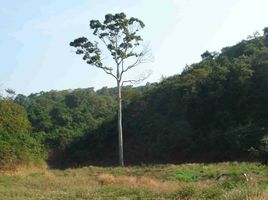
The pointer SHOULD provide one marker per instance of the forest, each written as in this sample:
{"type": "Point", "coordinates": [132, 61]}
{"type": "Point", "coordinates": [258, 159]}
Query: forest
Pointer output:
{"type": "Point", "coordinates": [214, 110]}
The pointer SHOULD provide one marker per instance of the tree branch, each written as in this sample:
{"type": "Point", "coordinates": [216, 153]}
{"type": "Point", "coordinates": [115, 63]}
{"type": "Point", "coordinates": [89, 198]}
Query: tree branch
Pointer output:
{"type": "Point", "coordinates": [142, 58]}
{"type": "Point", "coordinates": [138, 61]}
{"type": "Point", "coordinates": [107, 71]}
{"type": "Point", "coordinates": [137, 81]}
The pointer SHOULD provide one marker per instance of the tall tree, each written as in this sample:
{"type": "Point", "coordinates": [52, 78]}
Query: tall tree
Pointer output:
{"type": "Point", "coordinates": [118, 35]}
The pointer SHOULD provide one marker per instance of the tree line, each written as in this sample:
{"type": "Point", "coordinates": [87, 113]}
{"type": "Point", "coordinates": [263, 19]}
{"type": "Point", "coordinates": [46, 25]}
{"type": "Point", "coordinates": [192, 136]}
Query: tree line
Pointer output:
{"type": "Point", "coordinates": [214, 110]}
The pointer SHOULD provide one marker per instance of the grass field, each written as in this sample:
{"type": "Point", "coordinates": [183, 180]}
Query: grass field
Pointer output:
{"type": "Point", "coordinates": [186, 181]}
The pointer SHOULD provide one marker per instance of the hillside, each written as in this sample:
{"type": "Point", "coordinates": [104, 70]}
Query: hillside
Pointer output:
{"type": "Point", "coordinates": [215, 110]}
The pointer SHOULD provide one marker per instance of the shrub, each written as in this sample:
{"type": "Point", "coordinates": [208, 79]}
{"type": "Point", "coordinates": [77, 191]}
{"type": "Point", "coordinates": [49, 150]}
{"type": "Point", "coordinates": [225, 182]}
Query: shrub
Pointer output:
{"type": "Point", "coordinates": [19, 149]}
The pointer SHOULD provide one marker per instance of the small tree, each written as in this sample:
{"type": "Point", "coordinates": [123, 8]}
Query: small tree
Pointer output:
{"type": "Point", "coordinates": [10, 94]}
{"type": "Point", "coordinates": [118, 35]}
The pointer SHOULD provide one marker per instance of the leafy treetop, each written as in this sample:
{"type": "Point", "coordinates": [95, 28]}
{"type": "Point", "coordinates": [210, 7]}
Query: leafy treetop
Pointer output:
{"type": "Point", "coordinates": [119, 35]}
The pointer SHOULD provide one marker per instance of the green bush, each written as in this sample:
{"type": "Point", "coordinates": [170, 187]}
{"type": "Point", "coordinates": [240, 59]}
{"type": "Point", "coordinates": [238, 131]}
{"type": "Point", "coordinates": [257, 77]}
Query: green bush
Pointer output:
{"type": "Point", "coordinates": [19, 149]}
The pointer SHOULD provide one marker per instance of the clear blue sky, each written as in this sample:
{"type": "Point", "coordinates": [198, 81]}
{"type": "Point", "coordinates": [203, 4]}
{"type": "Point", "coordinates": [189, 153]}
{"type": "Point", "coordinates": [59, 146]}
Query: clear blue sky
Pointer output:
{"type": "Point", "coordinates": [35, 35]}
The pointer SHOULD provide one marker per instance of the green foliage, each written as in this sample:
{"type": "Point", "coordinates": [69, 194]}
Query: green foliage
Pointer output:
{"type": "Point", "coordinates": [16, 144]}
{"type": "Point", "coordinates": [59, 117]}
{"type": "Point", "coordinates": [19, 149]}
{"type": "Point", "coordinates": [120, 37]}
{"type": "Point", "coordinates": [214, 110]}
{"type": "Point", "coordinates": [13, 117]}
{"type": "Point", "coordinates": [65, 115]}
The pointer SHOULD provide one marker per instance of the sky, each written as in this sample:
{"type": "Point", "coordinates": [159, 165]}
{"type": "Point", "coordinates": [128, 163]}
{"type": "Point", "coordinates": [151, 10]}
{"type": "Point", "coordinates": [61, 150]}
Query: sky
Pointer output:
{"type": "Point", "coordinates": [35, 34]}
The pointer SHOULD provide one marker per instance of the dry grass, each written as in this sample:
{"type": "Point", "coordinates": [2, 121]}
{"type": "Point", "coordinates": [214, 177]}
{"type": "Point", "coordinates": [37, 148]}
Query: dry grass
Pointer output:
{"type": "Point", "coordinates": [262, 196]}
{"type": "Point", "coordinates": [24, 170]}
{"type": "Point", "coordinates": [138, 182]}
{"type": "Point", "coordinates": [146, 182]}
{"type": "Point", "coordinates": [106, 179]}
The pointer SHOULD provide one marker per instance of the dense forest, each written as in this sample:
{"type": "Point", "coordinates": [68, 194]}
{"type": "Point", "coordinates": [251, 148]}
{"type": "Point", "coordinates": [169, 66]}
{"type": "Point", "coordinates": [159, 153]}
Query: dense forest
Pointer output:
{"type": "Point", "coordinates": [215, 110]}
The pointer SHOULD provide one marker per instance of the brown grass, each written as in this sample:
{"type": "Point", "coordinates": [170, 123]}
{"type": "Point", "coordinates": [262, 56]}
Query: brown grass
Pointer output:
{"type": "Point", "coordinates": [106, 179]}
{"type": "Point", "coordinates": [138, 182]}
{"type": "Point", "coordinates": [263, 196]}
{"type": "Point", "coordinates": [24, 170]}
{"type": "Point", "coordinates": [146, 182]}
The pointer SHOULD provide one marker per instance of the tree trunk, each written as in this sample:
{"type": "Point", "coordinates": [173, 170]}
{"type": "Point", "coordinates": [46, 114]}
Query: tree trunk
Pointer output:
{"type": "Point", "coordinates": [120, 131]}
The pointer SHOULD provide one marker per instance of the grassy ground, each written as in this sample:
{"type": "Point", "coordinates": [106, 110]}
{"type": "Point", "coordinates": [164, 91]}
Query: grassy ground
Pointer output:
{"type": "Point", "coordinates": [187, 181]}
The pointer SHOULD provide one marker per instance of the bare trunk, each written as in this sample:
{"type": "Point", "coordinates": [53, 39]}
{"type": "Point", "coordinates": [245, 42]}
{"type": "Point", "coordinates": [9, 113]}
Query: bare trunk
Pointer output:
{"type": "Point", "coordinates": [120, 131]}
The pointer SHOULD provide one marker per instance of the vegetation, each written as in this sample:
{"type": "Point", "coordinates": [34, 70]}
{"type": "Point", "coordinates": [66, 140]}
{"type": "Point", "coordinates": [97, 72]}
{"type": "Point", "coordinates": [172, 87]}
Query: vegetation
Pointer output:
{"type": "Point", "coordinates": [214, 110]}
{"type": "Point", "coordinates": [59, 117]}
{"type": "Point", "coordinates": [13, 118]}
{"type": "Point", "coordinates": [120, 37]}
{"type": "Point", "coordinates": [17, 147]}
{"type": "Point", "coordinates": [139, 182]}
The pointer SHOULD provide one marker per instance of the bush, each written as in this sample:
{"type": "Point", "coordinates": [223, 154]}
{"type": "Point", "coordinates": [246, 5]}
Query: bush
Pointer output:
{"type": "Point", "coordinates": [19, 149]}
